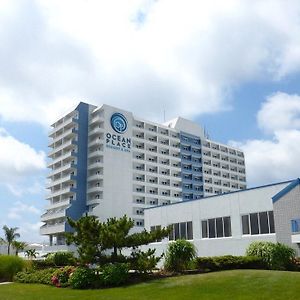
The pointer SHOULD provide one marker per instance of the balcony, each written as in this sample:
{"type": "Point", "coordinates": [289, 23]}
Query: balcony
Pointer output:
{"type": "Point", "coordinates": [94, 177]}
{"type": "Point", "coordinates": [53, 215]}
{"type": "Point", "coordinates": [63, 146]}
{"type": "Point", "coordinates": [95, 165]}
{"type": "Point", "coordinates": [95, 142]}
{"type": "Point", "coordinates": [93, 201]}
{"type": "Point", "coordinates": [52, 229]}
{"type": "Point", "coordinates": [69, 121]}
{"type": "Point", "coordinates": [68, 133]}
{"type": "Point", "coordinates": [95, 153]}
{"type": "Point", "coordinates": [96, 119]}
{"type": "Point", "coordinates": [97, 130]}
{"type": "Point", "coordinates": [58, 204]}
{"type": "Point", "coordinates": [61, 192]}
{"type": "Point", "coordinates": [94, 189]}
{"type": "Point", "coordinates": [62, 169]}
{"type": "Point", "coordinates": [61, 180]}
{"type": "Point", "coordinates": [71, 154]}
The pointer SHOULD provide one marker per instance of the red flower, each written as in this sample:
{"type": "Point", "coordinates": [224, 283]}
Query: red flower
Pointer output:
{"type": "Point", "coordinates": [54, 280]}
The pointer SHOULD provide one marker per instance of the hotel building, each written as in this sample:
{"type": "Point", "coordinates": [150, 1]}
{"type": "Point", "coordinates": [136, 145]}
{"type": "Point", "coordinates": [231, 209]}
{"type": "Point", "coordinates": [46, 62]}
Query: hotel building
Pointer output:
{"type": "Point", "coordinates": [106, 162]}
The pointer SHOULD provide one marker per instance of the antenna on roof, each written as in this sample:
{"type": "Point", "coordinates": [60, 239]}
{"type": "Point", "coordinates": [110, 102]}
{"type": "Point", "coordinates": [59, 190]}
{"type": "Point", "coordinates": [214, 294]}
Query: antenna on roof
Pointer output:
{"type": "Point", "coordinates": [164, 116]}
{"type": "Point", "coordinates": [206, 134]}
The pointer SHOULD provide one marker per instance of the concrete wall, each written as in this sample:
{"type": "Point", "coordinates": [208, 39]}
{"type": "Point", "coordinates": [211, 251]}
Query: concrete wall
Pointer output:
{"type": "Point", "coordinates": [286, 209]}
{"type": "Point", "coordinates": [3, 249]}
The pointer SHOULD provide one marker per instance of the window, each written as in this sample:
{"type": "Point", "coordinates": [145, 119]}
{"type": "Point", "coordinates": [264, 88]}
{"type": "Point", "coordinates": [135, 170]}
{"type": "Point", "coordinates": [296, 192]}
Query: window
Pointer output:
{"type": "Point", "coordinates": [271, 221]}
{"type": "Point", "coordinates": [245, 224]}
{"type": "Point", "coordinates": [189, 230]}
{"type": "Point", "coordinates": [211, 228]}
{"type": "Point", "coordinates": [216, 228]}
{"type": "Point", "coordinates": [258, 223]}
{"type": "Point", "coordinates": [219, 227]}
{"type": "Point", "coordinates": [139, 223]}
{"type": "Point", "coordinates": [204, 229]}
{"type": "Point", "coordinates": [295, 225]}
{"type": "Point", "coordinates": [264, 223]}
{"type": "Point", "coordinates": [227, 226]}
{"type": "Point", "coordinates": [254, 223]}
{"type": "Point", "coordinates": [183, 230]}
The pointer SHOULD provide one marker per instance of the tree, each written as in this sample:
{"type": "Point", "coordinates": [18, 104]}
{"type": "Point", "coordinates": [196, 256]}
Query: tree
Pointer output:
{"type": "Point", "coordinates": [115, 233]}
{"type": "Point", "coordinates": [11, 235]}
{"type": "Point", "coordinates": [18, 246]}
{"type": "Point", "coordinates": [144, 262]}
{"type": "Point", "coordinates": [86, 237]}
{"type": "Point", "coordinates": [92, 237]}
{"type": "Point", "coordinates": [31, 253]}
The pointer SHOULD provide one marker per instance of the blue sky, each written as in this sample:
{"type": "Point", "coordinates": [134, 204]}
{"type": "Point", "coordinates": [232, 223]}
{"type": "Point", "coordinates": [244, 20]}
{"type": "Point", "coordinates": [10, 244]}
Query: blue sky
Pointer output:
{"type": "Point", "coordinates": [232, 66]}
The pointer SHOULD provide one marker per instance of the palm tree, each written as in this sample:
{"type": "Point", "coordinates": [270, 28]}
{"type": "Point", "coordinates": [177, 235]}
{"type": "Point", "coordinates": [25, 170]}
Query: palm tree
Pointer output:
{"type": "Point", "coordinates": [10, 236]}
{"type": "Point", "coordinates": [31, 253]}
{"type": "Point", "coordinates": [18, 246]}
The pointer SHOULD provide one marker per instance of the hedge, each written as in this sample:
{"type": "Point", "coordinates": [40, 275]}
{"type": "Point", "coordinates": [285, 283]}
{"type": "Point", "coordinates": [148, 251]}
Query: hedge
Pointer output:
{"type": "Point", "coordinates": [229, 262]}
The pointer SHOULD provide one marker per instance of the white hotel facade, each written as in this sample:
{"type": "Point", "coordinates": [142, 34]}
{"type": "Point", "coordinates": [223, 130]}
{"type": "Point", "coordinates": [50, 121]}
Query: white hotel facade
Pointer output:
{"type": "Point", "coordinates": [106, 162]}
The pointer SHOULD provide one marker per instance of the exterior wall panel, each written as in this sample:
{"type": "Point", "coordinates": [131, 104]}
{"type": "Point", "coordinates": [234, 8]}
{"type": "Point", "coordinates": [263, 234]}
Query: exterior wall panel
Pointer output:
{"type": "Point", "coordinates": [286, 209]}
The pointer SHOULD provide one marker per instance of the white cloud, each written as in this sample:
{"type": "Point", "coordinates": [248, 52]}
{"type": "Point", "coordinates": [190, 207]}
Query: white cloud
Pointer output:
{"type": "Point", "coordinates": [30, 232]}
{"type": "Point", "coordinates": [20, 209]}
{"type": "Point", "coordinates": [182, 57]}
{"type": "Point", "coordinates": [19, 163]}
{"type": "Point", "coordinates": [26, 218]}
{"type": "Point", "coordinates": [17, 189]}
{"type": "Point", "coordinates": [278, 158]}
{"type": "Point", "coordinates": [281, 111]}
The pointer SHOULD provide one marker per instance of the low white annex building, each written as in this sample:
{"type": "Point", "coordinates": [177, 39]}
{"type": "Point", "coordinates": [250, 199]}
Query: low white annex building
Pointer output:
{"type": "Point", "coordinates": [228, 223]}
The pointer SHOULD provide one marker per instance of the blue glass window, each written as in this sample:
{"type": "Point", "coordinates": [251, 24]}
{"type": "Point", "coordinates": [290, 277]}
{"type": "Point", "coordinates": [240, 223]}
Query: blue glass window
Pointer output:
{"type": "Point", "coordinates": [295, 225]}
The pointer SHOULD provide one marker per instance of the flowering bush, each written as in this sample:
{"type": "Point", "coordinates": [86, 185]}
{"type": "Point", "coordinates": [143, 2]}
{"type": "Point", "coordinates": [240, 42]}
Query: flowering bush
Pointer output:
{"type": "Point", "coordinates": [83, 278]}
{"type": "Point", "coordinates": [114, 274]}
{"type": "Point", "coordinates": [61, 276]}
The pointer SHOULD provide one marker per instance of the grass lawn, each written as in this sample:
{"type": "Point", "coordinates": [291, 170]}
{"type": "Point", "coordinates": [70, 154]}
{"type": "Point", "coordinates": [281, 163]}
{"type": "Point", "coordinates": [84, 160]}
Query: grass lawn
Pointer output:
{"type": "Point", "coordinates": [237, 284]}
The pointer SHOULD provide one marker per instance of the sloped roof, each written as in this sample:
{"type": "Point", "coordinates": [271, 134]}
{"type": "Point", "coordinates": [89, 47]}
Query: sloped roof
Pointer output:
{"type": "Point", "coordinates": [288, 188]}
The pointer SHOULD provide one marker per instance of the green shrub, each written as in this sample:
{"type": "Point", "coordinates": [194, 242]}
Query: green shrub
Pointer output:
{"type": "Point", "coordinates": [144, 262]}
{"type": "Point", "coordinates": [206, 263]}
{"type": "Point", "coordinates": [36, 276]}
{"type": "Point", "coordinates": [179, 255]}
{"type": "Point", "coordinates": [61, 258]}
{"type": "Point", "coordinates": [9, 266]}
{"type": "Point", "coordinates": [229, 262]}
{"type": "Point", "coordinates": [83, 278]}
{"type": "Point", "coordinates": [114, 274]}
{"type": "Point", "coordinates": [276, 255]}
{"type": "Point", "coordinates": [42, 264]}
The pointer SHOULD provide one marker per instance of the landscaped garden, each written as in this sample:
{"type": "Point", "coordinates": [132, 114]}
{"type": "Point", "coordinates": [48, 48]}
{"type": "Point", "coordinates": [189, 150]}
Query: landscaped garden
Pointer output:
{"type": "Point", "coordinates": [102, 271]}
{"type": "Point", "coordinates": [237, 284]}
